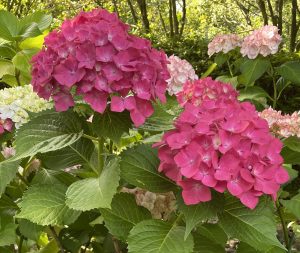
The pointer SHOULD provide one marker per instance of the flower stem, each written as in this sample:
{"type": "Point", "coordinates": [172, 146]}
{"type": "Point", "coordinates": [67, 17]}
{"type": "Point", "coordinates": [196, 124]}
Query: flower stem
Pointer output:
{"type": "Point", "coordinates": [230, 69]}
{"type": "Point", "coordinates": [275, 94]}
{"type": "Point", "coordinates": [55, 237]}
{"type": "Point", "coordinates": [100, 154]}
{"type": "Point", "coordinates": [283, 224]}
{"type": "Point", "coordinates": [89, 137]}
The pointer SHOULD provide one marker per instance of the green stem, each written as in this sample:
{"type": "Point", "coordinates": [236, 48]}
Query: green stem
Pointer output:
{"type": "Point", "coordinates": [22, 179]}
{"type": "Point", "coordinates": [280, 92]}
{"type": "Point", "coordinates": [90, 137]}
{"type": "Point", "coordinates": [100, 154]}
{"type": "Point", "coordinates": [275, 94]}
{"type": "Point", "coordinates": [209, 70]}
{"type": "Point", "coordinates": [55, 237]}
{"type": "Point", "coordinates": [230, 69]}
{"type": "Point", "coordinates": [20, 244]}
{"type": "Point", "coordinates": [283, 224]}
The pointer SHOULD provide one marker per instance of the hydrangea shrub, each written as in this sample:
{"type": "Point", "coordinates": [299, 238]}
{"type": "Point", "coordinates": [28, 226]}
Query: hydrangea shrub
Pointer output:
{"type": "Point", "coordinates": [113, 164]}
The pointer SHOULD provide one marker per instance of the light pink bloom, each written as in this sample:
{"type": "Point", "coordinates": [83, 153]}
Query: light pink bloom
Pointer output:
{"type": "Point", "coordinates": [264, 41]}
{"type": "Point", "coordinates": [95, 56]}
{"type": "Point", "coordinates": [6, 125]}
{"type": "Point", "coordinates": [282, 125]}
{"type": "Point", "coordinates": [180, 72]}
{"type": "Point", "coordinates": [223, 43]}
{"type": "Point", "coordinates": [219, 143]}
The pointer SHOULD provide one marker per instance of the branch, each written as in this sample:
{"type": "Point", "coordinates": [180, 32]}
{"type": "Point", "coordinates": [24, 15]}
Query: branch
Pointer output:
{"type": "Point", "coordinates": [55, 237]}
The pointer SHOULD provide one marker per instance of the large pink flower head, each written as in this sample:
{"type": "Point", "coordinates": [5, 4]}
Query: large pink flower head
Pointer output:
{"type": "Point", "coordinates": [223, 43]}
{"type": "Point", "coordinates": [95, 56]}
{"type": "Point", "coordinates": [282, 125]}
{"type": "Point", "coordinates": [222, 145]}
{"type": "Point", "coordinates": [264, 41]}
{"type": "Point", "coordinates": [180, 72]}
{"type": "Point", "coordinates": [196, 92]}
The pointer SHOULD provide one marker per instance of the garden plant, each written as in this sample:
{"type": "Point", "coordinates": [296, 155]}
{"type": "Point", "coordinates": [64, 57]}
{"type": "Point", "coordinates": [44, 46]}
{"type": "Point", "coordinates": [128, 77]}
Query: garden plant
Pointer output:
{"type": "Point", "coordinates": [110, 145]}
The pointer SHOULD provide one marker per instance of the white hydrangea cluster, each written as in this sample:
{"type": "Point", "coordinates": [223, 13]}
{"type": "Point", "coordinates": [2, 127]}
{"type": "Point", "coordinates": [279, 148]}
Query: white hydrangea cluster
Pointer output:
{"type": "Point", "coordinates": [161, 205]}
{"type": "Point", "coordinates": [17, 101]}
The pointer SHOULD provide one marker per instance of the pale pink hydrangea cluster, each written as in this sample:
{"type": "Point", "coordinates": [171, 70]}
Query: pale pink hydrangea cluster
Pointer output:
{"type": "Point", "coordinates": [282, 125]}
{"type": "Point", "coordinates": [94, 56]}
{"type": "Point", "coordinates": [196, 92]}
{"type": "Point", "coordinates": [264, 41]}
{"type": "Point", "coordinates": [223, 43]}
{"type": "Point", "coordinates": [161, 205]}
{"type": "Point", "coordinates": [180, 71]}
{"type": "Point", "coordinates": [6, 125]}
{"type": "Point", "coordinates": [221, 144]}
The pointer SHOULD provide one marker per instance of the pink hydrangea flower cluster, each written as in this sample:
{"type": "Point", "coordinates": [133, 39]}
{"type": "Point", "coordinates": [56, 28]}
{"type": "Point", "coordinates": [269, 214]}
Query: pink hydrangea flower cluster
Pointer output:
{"type": "Point", "coordinates": [6, 125]}
{"type": "Point", "coordinates": [180, 71]}
{"type": "Point", "coordinates": [222, 144]}
{"type": "Point", "coordinates": [196, 92]}
{"type": "Point", "coordinates": [282, 125]}
{"type": "Point", "coordinates": [95, 56]}
{"type": "Point", "coordinates": [264, 41]}
{"type": "Point", "coordinates": [223, 43]}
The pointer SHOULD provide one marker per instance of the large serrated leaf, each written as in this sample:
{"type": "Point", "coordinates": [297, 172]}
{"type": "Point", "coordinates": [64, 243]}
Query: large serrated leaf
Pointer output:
{"type": "Point", "coordinates": [93, 193]}
{"type": "Point", "coordinates": [160, 237]}
{"type": "Point", "coordinates": [293, 205]}
{"type": "Point", "coordinates": [256, 227]}
{"type": "Point", "coordinates": [47, 132]}
{"type": "Point", "coordinates": [123, 215]}
{"type": "Point", "coordinates": [42, 20]}
{"type": "Point", "coordinates": [195, 214]}
{"type": "Point", "coordinates": [252, 70]}
{"type": "Point", "coordinates": [112, 124]}
{"type": "Point", "coordinates": [139, 167]}
{"type": "Point", "coordinates": [8, 170]}
{"type": "Point", "coordinates": [45, 205]}
{"type": "Point", "coordinates": [290, 71]}
{"type": "Point", "coordinates": [7, 230]}
{"type": "Point", "coordinates": [9, 25]}
{"type": "Point", "coordinates": [79, 152]}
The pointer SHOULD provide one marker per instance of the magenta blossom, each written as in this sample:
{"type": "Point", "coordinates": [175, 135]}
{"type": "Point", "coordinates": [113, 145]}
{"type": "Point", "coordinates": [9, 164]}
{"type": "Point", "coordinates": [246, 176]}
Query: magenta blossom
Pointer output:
{"type": "Point", "coordinates": [95, 56]}
{"type": "Point", "coordinates": [205, 89]}
{"type": "Point", "coordinates": [221, 144]}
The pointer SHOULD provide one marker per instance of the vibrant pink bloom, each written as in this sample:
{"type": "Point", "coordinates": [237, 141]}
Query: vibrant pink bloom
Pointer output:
{"type": "Point", "coordinates": [180, 72]}
{"type": "Point", "coordinates": [264, 41]}
{"type": "Point", "coordinates": [222, 144]}
{"type": "Point", "coordinates": [95, 56]}
{"type": "Point", "coordinates": [223, 43]}
{"type": "Point", "coordinates": [6, 126]}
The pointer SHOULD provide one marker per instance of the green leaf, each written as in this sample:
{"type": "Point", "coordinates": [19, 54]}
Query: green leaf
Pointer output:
{"type": "Point", "coordinates": [228, 79]}
{"type": "Point", "coordinates": [252, 93]}
{"type": "Point", "coordinates": [252, 70]}
{"type": "Point", "coordinates": [293, 205]}
{"type": "Point", "coordinates": [256, 227]}
{"type": "Point", "coordinates": [10, 80]}
{"type": "Point", "coordinates": [6, 51]}
{"type": "Point", "coordinates": [160, 237]}
{"type": "Point", "coordinates": [42, 20]}
{"type": "Point", "coordinates": [30, 230]}
{"type": "Point", "coordinates": [246, 248]}
{"type": "Point", "coordinates": [6, 68]}
{"type": "Point", "coordinates": [51, 247]}
{"type": "Point", "coordinates": [29, 30]}
{"type": "Point", "coordinates": [292, 173]}
{"type": "Point", "coordinates": [79, 152]}
{"type": "Point", "coordinates": [290, 71]}
{"type": "Point", "coordinates": [8, 170]}
{"type": "Point", "coordinates": [221, 58]}
{"type": "Point", "coordinates": [45, 205]}
{"type": "Point", "coordinates": [123, 215]}
{"type": "Point", "coordinates": [163, 117]}
{"type": "Point", "coordinates": [9, 25]}
{"type": "Point", "coordinates": [36, 42]}
{"type": "Point", "coordinates": [214, 233]}
{"type": "Point", "coordinates": [111, 124]}
{"type": "Point", "coordinates": [47, 132]}
{"type": "Point", "coordinates": [93, 193]}
{"type": "Point", "coordinates": [290, 156]}
{"type": "Point", "coordinates": [21, 62]}
{"type": "Point", "coordinates": [7, 230]}
{"type": "Point", "coordinates": [196, 214]}
{"type": "Point", "coordinates": [205, 244]}
{"type": "Point", "coordinates": [139, 167]}
{"type": "Point", "coordinates": [293, 143]}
